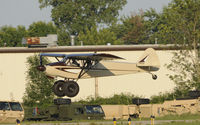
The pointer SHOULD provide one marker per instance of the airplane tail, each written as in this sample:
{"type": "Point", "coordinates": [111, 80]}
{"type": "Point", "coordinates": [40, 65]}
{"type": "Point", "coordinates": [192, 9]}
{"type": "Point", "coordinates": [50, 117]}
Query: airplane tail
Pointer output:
{"type": "Point", "coordinates": [149, 60]}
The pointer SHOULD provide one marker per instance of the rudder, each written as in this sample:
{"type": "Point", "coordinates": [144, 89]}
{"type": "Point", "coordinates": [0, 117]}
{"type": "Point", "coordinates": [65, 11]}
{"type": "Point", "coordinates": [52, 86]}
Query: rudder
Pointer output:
{"type": "Point", "coordinates": [149, 59]}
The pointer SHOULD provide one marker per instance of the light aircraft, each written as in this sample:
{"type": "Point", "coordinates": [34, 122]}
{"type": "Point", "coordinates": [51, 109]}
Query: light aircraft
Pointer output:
{"type": "Point", "coordinates": [72, 67]}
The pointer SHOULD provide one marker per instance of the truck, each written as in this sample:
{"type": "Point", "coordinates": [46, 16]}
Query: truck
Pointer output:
{"type": "Point", "coordinates": [11, 111]}
{"type": "Point", "coordinates": [65, 112]}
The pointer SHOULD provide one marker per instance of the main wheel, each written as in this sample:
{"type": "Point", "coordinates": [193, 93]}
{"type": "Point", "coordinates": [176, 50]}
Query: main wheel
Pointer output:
{"type": "Point", "coordinates": [71, 89]}
{"type": "Point", "coordinates": [59, 88]}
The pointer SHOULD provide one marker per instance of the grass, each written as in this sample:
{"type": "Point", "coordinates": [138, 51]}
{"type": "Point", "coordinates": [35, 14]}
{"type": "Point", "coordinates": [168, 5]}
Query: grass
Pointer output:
{"type": "Point", "coordinates": [194, 120]}
{"type": "Point", "coordinates": [123, 123]}
{"type": "Point", "coordinates": [187, 116]}
{"type": "Point", "coordinates": [183, 123]}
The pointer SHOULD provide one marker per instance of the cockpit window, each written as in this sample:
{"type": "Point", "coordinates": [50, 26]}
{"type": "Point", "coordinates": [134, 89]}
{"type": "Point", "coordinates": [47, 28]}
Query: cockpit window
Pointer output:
{"type": "Point", "coordinates": [4, 106]}
{"type": "Point", "coordinates": [15, 106]}
{"type": "Point", "coordinates": [93, 109]}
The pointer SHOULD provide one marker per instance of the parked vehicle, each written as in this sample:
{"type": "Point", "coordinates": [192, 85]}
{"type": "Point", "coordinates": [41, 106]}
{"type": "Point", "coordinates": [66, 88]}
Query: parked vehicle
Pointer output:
{"type": "Point", "coordinates": [64, 112]}
{"type": "Point", "coordinates": [10, 111]}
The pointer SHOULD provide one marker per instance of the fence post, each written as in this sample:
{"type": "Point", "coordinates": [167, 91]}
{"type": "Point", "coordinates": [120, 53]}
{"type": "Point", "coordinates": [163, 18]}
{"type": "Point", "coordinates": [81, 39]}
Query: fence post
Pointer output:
{"type": "Point", "coordinates": [17, 122]}
{"type": "Point", "coordinates": [114, 121]}
{"type": "Point", "coordinates": [129, 121]}
{"type": "Point", "coordinates": [152, 119]}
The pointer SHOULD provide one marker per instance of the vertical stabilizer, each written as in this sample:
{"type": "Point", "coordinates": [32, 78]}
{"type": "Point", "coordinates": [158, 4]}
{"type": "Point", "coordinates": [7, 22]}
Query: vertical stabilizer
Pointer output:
{"type": "Point", "coordinates": [149, 59]}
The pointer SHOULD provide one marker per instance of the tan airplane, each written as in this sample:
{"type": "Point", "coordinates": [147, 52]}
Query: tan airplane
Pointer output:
{"type": "Point", "coordinates": [72, 67]}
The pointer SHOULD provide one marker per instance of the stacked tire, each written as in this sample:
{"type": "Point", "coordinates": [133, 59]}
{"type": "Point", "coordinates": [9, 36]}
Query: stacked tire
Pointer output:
{"type": "Point", "coordinates": [140, 101]}
{"type": "Point", "coordinates": [62, 101]}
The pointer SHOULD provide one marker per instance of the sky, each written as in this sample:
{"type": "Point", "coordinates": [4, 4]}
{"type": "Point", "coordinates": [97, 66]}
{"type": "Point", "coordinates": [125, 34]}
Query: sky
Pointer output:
{"type": "Point", "coordinates": [25, 12]}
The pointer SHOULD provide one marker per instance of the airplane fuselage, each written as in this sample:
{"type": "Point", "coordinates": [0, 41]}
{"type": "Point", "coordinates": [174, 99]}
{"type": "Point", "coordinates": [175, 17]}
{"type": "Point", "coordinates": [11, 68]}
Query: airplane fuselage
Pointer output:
{"type": "Point", "coordinates": [101, 69]}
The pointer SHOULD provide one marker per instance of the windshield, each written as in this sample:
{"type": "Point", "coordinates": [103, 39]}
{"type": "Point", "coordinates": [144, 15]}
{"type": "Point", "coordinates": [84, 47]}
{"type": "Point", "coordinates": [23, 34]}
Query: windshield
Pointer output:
{"type": "Point", "coordinates": [4, 106]}
{"type": "Point", "coordinates": [15, 106]}
{"type": "Point", "coordinates": [94, 109]}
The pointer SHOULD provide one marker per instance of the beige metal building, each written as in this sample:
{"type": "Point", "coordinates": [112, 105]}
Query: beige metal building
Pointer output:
{"type": "Point", "coordinates": [13, 69]}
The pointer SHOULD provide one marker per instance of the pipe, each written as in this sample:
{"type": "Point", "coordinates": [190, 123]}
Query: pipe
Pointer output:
{"type": "Point", "coordinates": [88, 48]}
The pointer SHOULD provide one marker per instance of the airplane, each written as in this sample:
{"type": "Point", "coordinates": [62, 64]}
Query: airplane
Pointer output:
{"type": "Point", "coordinates": [73, 67]}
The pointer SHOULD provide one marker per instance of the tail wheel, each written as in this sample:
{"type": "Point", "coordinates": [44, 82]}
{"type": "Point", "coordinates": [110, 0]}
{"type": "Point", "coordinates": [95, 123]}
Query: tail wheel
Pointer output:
{"type": "Point", "coordinates": [154, 77]}
{"type": "Point", "coordinates": [71, 89]}
{"type": "Point", "coordinates": [59, 88]}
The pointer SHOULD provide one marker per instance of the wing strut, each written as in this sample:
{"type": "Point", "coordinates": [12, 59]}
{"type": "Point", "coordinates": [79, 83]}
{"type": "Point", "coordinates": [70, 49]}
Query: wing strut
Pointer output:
{"type": "Point", "coordinates": [41, 60]}
{"type": "Point", "coordinates": [87, 65]}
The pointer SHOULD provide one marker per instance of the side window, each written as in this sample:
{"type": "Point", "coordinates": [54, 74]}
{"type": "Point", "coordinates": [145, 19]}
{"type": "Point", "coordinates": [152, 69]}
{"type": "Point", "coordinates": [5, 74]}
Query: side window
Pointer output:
{"type": "Point", "coordinates": [15, 106]}
{"type": "Point", "coordinates": [94, 109]}
{"type": "Point", "coordinates": [79, 111]}
{"type": "Point", "coordinates": [4, 106]}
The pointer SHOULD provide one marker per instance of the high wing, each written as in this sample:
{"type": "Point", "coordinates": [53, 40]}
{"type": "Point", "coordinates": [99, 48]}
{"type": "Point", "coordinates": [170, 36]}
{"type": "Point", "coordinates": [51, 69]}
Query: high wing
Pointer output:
{"type": "Point", "coordinates": [87, 56]}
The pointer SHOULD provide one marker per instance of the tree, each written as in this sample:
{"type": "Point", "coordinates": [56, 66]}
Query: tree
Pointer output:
{"type": "Point", "coordinates": [75, 16]}
{"type": "Point", "coordinates": [130, 29]}
{"type": "Point", "coordinates": [38, 88]}
{"type": "Point", "coordinates": [39, 29]}
{"type": "Point", "coordinates": [134, 27]}
{"type": "Point", "coordinates": [12, 37]}
{"type": "Point", "coordinates": [183, 28]}
{"type": "Point", "coordinates": [153, 23]}
{"type": "Point", "coordinates": [139, 28]}
{"type": "Point", "coordinates": [100, 37]}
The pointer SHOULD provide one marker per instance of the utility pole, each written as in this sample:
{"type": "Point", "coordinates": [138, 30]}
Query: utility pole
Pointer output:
{"type": "Point", "coordinates": [96, 88]}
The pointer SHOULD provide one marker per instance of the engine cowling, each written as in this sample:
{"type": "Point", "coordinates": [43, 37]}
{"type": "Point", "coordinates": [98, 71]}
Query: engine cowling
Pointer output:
{"type": "Point", "coordinates": [41, 68]}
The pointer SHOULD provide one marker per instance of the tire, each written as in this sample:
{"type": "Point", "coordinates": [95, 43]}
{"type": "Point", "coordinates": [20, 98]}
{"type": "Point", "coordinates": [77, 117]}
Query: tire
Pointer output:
{"type": "Point", "coordinates": [138, 101]}
{"type": "Point", "coordinates": [62, 101]}
{"type": "Point", "coordinates": [59, 87]}
{"type": "Point", "coordinates": [71, 89]}
{"type": "Point", "coordinates": [154, 77]}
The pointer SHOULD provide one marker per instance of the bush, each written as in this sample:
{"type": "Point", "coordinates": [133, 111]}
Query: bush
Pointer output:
{"type": "Point", "coordinates": [116, 99]}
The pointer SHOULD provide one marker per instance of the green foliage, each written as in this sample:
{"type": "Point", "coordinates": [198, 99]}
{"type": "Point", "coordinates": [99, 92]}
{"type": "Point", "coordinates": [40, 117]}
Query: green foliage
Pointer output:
{"type": "Point", "coordinates": [140, 28]}
{"type": "Point", "coordinates": [134, 29]}
{"type": "Point", "coordinates": [78, 15]}
{"type": "Point", "coordinates": [184, 116]}
{"type": "Point", "coordinates": [117, 99]}
{"type": "Point", "coordinates": [100, 37]}
{"type": "Point", "coordinates": [185, 76]}
{"type": "Point", "coordinates": [153, 22]}
{"type": "Point", "coordinates": [183, 17]}
{"type": "Point", "coordinates": [39, 29]}
{"type": "Point", "coordinates": [161, 97]}
{"type": "Point", "coordinates": [12, 37]}
{"type": "Point", "coordinates": [182, 123]}
{"type": "Point", "coordinates": [63, 38]}
{"type": "Point", "coordinates": [38, 88]}
{"type": "Point", "coordinates": [44, 3]}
